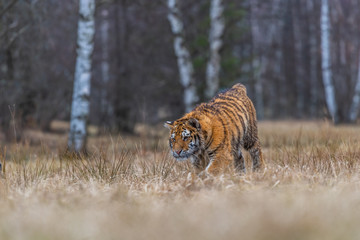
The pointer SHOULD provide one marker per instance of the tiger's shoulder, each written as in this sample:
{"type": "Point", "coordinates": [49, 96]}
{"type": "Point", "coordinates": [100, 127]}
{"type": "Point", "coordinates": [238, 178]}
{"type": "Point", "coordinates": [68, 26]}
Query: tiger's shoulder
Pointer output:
{"type": "Point", "coordinates": [238, 90]}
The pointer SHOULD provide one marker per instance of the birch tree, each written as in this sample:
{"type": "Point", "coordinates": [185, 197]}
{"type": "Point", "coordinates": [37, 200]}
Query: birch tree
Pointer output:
{"type": "Point", "coordinates": [326, 61]}
{"type": "Point", "coordinates": [185, 66]}
{"type": "Point", "coordinates": [81, 93]}
{"type": "Point", "coordinates": [217, 26]}
{"type": "Point", "coordinates": [355, 104]}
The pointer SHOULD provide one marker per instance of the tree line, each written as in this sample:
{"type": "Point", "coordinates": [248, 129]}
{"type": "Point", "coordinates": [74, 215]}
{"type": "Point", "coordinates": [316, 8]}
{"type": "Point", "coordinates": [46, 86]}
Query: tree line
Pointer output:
{"type": "Point", "coordinates": [154, 60]}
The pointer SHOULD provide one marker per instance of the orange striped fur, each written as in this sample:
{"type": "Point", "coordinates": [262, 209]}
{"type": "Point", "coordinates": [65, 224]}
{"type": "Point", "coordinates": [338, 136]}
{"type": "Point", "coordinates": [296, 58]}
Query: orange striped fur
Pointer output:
{"type": "Point", "coordinates": [213, 134]}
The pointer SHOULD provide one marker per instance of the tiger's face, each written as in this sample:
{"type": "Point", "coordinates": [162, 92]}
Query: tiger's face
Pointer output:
{"type": "Point", "coordinates": [184, 138]}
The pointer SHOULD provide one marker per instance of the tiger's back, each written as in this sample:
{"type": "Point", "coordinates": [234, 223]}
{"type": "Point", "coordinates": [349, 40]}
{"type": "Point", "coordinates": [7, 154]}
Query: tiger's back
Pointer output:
{"type": "Point", "coordinates": [218, 130]}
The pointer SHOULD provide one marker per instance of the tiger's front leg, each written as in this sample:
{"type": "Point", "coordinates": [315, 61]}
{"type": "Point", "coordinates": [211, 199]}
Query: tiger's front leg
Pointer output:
{"type": "Point", "coordinates": [200, 162]}
{"type": "Point", "coordinates": [218, 162]}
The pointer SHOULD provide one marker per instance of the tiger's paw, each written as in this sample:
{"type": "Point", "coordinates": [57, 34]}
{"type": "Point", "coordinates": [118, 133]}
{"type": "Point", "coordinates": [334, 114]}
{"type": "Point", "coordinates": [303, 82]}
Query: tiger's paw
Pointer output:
{"type": "Point", "coordinates": [204, 175]}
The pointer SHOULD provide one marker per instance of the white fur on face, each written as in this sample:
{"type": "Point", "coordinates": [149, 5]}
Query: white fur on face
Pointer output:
{"type": "Point", "coordinates": [185, 133]}
{"type": "Point", "coordinates": [181, 159]}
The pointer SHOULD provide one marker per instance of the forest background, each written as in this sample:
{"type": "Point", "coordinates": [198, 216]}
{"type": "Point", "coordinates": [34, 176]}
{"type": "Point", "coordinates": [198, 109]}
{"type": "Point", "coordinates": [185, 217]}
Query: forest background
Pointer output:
{"type": "Point", "coordinates": [273, 47]}
{"type": "Point", "coordinates": [152, 60]}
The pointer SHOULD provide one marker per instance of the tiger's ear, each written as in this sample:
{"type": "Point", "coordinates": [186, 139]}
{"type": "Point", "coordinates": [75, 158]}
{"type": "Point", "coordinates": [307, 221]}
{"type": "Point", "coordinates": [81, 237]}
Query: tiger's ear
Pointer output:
{"type": "Point", "coordinates": [194, 123]}
{"type": "Point", "coordinates": [169, 124]}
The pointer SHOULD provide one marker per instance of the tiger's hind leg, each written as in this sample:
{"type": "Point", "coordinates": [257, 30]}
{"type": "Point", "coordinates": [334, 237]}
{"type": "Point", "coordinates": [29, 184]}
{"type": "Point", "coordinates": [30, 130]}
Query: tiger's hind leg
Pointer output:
{"type": "Point", "coordinates": [256, 155]}
{"type": "Point", "coordinates": [239, 161]}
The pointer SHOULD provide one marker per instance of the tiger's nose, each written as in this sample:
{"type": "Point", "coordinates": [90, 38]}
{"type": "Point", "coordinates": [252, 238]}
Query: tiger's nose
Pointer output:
{"type": "Point", "coordinates": [178, 152]}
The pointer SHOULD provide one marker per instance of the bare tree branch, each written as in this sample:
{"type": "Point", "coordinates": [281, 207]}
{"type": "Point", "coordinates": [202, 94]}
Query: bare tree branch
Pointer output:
{"type": "Point", "coordinates": [15, 36]}
{"type": "Point", "coordinates": [3, 11]}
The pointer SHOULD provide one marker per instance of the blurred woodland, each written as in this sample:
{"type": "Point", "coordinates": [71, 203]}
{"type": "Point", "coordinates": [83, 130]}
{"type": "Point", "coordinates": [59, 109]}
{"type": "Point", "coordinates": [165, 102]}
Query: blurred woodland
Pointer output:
{"type": "Point", "coordinates": [273, 47]}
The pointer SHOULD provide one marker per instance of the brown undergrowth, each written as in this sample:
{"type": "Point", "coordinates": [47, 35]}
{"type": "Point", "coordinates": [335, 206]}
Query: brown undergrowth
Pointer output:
{"type": "Point", "coordinates": [131, 188]}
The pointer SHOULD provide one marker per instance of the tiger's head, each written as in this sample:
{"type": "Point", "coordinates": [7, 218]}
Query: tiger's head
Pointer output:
{"type": "Point", "coordinates": [185, 138]}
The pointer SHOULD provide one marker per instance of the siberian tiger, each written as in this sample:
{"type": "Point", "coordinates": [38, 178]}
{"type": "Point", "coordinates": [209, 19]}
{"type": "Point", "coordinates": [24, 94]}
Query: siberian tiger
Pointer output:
{"type": "Point", "coordinates": [213, 133]}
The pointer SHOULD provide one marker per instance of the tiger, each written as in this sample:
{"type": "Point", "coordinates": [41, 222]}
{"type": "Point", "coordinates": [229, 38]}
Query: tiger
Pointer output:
{"type": "Point", "coordinates": [213, 134]}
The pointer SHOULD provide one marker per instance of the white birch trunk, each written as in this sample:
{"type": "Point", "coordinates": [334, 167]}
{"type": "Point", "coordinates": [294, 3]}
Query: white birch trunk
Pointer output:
{"type": "Point", "coordinates": [185, 66]}
{"type": "Point", "coordinates": [355, 104]}
{"type": "Point", "coordinates": [326, 60]}
{"type": "Point", "coordinates": [217, 26]}
{"type": "Point", "coordinates": [81, 92]}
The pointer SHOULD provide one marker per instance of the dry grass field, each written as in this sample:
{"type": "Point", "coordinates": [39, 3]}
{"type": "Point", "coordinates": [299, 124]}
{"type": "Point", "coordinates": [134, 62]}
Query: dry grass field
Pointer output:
{"type": "Point", "coordinates": [130, 188]}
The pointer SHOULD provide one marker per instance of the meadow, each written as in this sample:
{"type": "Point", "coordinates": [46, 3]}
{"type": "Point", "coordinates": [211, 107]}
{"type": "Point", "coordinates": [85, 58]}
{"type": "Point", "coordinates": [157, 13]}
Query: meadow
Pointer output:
{"type": "Point", "coordinates": [129, 187]}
